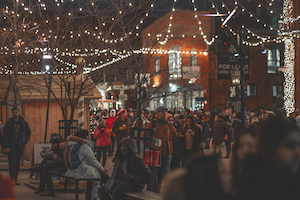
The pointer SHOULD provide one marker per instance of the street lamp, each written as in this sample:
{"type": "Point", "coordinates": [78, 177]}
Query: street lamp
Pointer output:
{"type": "Point", "coordinates": [236, 77]}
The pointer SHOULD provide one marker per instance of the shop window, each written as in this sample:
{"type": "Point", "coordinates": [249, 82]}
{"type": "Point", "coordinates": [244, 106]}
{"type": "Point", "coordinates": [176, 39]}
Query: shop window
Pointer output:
{"type": "Point", "coordinates": [251, 90]}
{"type": "Point", "coordinates": [277, 90]}
{"type": "Point", "coordinates": [174, 62]}
{"type": "Point", "coordinates": [193, 58]}
{"type": "Point", "coordinates": [157, 65]}
{"type": "Point", "coordinates": [273, 60]}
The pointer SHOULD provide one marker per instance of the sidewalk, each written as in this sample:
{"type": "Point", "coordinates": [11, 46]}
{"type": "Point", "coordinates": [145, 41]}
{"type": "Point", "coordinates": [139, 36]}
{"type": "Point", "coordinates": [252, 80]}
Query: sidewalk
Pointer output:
{"type": "Point", "coordinates": [26, 190]}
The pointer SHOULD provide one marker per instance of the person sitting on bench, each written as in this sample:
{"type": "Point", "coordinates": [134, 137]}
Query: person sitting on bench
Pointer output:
{"type": "Point", "coordinates": [89, 166]}
{"type": "Point", "coordinates": [130, 174]}
{"type": "Point", "coordinates": [53, 163]}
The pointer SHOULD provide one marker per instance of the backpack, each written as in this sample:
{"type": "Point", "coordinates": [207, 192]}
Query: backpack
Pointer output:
{"type": "Point", "coordinates": [71, 156]}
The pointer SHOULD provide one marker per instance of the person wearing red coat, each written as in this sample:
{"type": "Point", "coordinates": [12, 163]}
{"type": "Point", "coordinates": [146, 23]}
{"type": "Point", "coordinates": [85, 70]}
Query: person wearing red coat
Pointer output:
{"type": "Point", "coordinates": [102, 136]}
{"type": "Point", "coordinates": [109, 122]}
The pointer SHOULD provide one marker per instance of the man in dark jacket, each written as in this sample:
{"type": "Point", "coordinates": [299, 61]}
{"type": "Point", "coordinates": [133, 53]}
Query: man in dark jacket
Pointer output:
{"type": "Point", "coordinates": [16, 134]}
{"type": "Point", "coordinates": [121, 126]}
{"type": "Point", "coordinates": [53, 163]}
{"type": "Point", "coordinates": [220, 129]}
{"type": "Point", "coordinates": [177, 143]}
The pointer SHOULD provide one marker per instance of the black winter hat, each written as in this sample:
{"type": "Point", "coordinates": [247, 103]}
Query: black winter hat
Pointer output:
{"type": "Point", "coordinates": [55, 138]}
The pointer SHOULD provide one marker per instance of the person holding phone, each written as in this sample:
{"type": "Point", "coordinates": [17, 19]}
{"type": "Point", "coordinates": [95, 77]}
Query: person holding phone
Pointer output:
{"type": "Point", "coordinates": [192, 138]}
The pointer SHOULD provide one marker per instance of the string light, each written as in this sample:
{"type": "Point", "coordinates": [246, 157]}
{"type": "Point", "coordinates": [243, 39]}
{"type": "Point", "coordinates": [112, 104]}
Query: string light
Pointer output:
{"type": "Point", "coordinates": [289, 60]}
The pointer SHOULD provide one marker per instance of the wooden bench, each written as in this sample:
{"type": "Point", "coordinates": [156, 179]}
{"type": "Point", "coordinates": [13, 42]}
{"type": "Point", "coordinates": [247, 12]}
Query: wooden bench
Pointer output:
{"type": "Point", "coordinates": [143, 195]}
{"type": "Point", "coordinates": [77, 180]}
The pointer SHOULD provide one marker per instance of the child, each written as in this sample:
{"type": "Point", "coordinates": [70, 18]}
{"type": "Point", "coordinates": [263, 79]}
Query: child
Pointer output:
{"type": "Point", "coordinates": [102, 136]}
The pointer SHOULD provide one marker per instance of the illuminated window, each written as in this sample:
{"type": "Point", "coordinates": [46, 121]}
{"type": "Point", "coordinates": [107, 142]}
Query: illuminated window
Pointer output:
{"type": "Point", "coordinates": [174, 62]}
{"type": "Point", "coordinates": [193, 58]}
{"type": "Point", "coordinates": [273, 60]}
{"type": "Point", "coordinates": [277, 90]}
{"type": "Point", "coordinates": [251, 90]}
{"type": "Point", "coordinates": [157, 64]}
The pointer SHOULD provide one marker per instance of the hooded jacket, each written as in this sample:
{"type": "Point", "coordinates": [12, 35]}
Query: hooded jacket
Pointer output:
{"type": "Point", "coordinates": [135, 173]}
{"type": "Point", "coordinates": [220, 128]}
{"type": "Point", "coordinates": [89, 167]}
{"type": "Point", "coordinates": [8, 133]}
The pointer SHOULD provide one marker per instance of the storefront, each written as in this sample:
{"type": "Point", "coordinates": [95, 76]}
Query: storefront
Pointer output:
{"type": "Point", "coordinates": [183, 97]}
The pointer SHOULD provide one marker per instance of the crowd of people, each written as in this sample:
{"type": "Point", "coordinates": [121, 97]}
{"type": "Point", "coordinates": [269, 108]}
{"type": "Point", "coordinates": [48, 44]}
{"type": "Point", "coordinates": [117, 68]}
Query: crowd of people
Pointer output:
{"type": "Point", "coordinates": [264, 154]}
{"type": "Point", "coordinates": [267, 147]}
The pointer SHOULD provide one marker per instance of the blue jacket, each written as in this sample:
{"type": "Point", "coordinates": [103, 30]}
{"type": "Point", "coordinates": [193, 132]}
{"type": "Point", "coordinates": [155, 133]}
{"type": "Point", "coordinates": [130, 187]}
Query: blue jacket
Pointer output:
{"type": "Point", "coordinates": [8, 133]}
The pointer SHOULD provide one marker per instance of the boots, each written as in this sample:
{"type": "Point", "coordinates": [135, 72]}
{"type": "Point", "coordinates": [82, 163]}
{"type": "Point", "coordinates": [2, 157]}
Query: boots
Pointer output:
{"type": "Point", "coordinates": [16, 181]}
{"type": "Point", "coordinates": [13, 181]}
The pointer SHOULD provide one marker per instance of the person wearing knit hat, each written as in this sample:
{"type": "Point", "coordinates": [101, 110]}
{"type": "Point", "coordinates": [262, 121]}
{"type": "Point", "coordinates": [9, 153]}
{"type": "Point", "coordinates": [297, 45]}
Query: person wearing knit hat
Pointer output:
{"type": "Point", "coordinates": [170, 118]}
{"type": "Point", "coordinates": [109, 122]}
{"type": "Point", "coordinates": [121, 126]}
{"type": "Point", "coordinates": [102, 136]}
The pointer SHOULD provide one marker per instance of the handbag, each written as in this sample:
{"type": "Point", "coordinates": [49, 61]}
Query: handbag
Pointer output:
{"type": "Point", "coordinates": [157, 158]}
{"type": "Point", "coordinates": [225, 137]}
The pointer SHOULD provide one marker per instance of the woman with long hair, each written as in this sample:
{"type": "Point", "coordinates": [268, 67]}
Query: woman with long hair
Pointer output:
{"type": "Point", "coordinates": [192, 138]}
{"type": "Point", "coordinates": [130, 174]}
{"type": "Point", "coordinates": [274, 172]}
{"type": "Point", "coordinates": [244, 145]}
{"type": "Point", "coordinates": [204, 178]}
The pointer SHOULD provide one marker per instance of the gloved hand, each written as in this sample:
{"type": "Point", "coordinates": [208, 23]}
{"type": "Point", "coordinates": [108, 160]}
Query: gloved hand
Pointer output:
{"type": "Point", "coordinates": [123, 127]}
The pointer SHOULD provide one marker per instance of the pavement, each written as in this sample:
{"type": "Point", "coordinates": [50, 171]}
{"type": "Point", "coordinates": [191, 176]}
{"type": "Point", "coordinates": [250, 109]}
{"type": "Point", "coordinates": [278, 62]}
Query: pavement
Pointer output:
{"type": "Point", "coordinates": [26, 190]}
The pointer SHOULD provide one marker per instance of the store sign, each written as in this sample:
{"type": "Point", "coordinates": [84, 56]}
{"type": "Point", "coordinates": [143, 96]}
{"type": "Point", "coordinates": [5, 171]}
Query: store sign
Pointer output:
{"type": "Point", "coordinates": [227, 64]}
{"type": "Point", "coordinates": [123, 97]}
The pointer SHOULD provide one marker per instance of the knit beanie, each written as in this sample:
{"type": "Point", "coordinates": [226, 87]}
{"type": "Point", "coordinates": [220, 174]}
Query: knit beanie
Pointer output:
{"type": "Point", "coordinates": [121, 111]}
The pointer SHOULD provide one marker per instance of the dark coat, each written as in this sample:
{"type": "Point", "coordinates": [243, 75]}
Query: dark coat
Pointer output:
{"type": "Point", "coordinates": [220, 128]}
{"type": "Point", "coordinates": [57, 165]}
{"type": "Point", "coordinates": [138, 174]}
{"type": "Point", "coordinates": [124, 133]}
{"type": "Point", "coordinates": [196, 139]}
{"type": "Point", "coordinates": [8, 133]}
{"type": "Point", "coordinates": [177, 142]}
{"type": "Point", "coordinates": [206, 129]}
{"type": "Point", "coordinates": [262, 179]}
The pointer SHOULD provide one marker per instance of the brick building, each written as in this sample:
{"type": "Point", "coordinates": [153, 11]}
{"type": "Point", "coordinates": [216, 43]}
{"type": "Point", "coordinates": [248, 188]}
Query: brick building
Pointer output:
{"type": "Point", "coordinates": [189, 73]}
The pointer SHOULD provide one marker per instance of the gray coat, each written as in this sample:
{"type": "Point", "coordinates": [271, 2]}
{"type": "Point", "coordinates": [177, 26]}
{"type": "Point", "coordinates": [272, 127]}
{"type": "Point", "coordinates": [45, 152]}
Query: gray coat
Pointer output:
{"type": "Point", "coordinates": [89, 167]}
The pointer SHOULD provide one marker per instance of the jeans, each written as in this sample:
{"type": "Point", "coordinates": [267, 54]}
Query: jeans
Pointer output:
{"type": "Point", "coordinates": [228, 148]}
{"type": "Point", "coordinates": [112, 146]}
{"type": "Point", "coordinates": [165, 169]}
{"type": "Point", "coordinates": [219, 146]}
{"type": "Point", "coordinates": [118, 192]}
{"type": "Point", "coordinates": [99, 152]}
{"type": "Point", "coordinates": [14, 159]}
{"type": "Point", "coordinates": [207, 142]}
{"type": "Point", "coordinates": [45, 177]}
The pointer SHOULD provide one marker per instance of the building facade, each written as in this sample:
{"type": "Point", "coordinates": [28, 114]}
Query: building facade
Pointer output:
{"type": "Point", "coordinates": [191, 71]}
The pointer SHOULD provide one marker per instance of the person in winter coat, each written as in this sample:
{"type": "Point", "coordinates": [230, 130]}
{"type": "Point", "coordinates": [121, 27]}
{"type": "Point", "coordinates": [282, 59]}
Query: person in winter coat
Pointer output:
{"type": "Point", "coordinates": [102, 136]}
{"type": "Point", "coordinates": [89, 166]}
{"type": "Point", "coordinates": [274, 172]}
{"type": "Point", "coordinates": [130, 174]}
{"type": "Point", "coordinates": [16, 134]}
{"type": "Point", "coordinates": [121, 126]}
{"type": "Point", "coordinates": [204, 178]}
{"type": "Point", "coordinates": [220, 129]}
{"type": "Point", "coordinates": [177, 143]}
{"type": "Point", "coordinates": [206, 130]}
{"type": "Point", "coordinates": [109, 122]}
{"type": "Point", "coordinates": [192, 138]}
{"type": "Point", "coordinates": [53, 162]}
